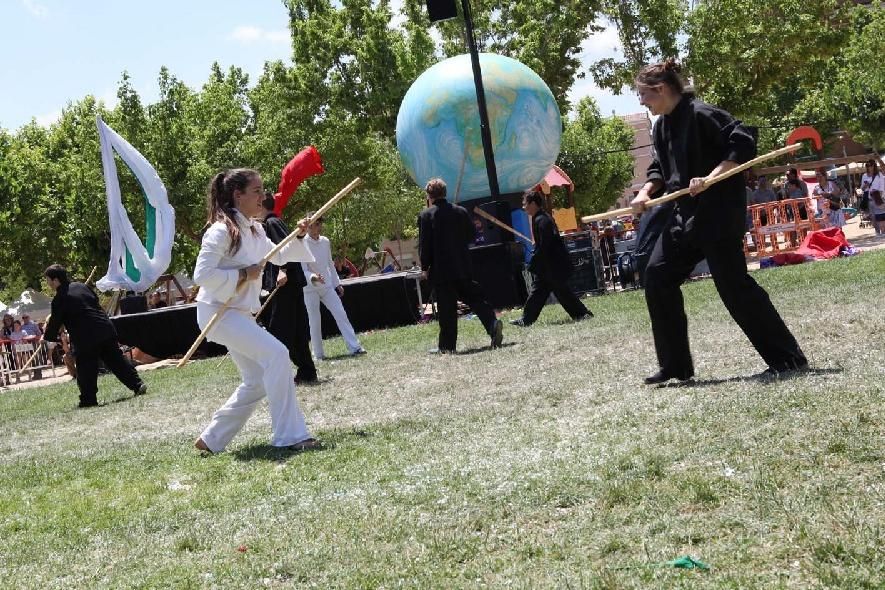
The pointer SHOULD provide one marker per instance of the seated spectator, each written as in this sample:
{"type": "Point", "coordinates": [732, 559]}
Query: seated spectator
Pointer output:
{"type": "Point", "coordinates": [829, 200]}
{"type": "Point", "coordinates": [156, 301]}
{"type": "Point", "coordinates": [344, 268]}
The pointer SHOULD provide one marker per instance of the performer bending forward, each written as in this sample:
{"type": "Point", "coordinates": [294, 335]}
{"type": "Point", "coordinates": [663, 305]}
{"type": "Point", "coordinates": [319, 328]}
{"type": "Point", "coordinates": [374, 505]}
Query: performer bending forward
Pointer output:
{"type": "Point", "coordinates": [323, 285]}
{"type": "Point", "coordinates": [693, 142]}
{"type": "Point", "coordinates": [232, 248]}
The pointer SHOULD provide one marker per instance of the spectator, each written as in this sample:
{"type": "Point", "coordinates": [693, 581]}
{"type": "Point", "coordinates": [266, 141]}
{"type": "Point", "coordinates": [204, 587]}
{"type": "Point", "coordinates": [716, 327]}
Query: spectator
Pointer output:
{"type": "Point", "coordinates": [873, 186]}
{"type": "Point", "coordinates": [156, 301]}
{"type": "Point", "coordinates": [16, 336]}
{"type": "Point", "coordinates": [829, 200]}
{"type": "Point", "coordinates": [29, 327]}
{"type": "Point", "coordinates": [801, 186]}
{"type": "Point", "coordinates": [7, 325]}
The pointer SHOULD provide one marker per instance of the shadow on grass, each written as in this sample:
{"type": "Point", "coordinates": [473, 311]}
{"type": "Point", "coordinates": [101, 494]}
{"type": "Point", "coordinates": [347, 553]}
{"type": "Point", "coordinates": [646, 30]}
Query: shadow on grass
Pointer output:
{"type": "Point", "coordinates": [266, 452]}
{"type": "Point", "coordinates": [482, 349]}
{"type": "Point", "coordinates": [750, 378]}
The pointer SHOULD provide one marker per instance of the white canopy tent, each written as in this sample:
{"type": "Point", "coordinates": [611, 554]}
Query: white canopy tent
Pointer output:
{"type": "Point", "coordinates": [34, 303]}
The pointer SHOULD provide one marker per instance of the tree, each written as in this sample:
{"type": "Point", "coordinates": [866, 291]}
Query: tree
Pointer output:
{"type": "Point", "coordinates": [595, 154]}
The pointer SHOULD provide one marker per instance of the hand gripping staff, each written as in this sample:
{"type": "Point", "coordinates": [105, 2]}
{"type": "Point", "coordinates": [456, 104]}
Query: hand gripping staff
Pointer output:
{"type": "Point", "coordinates": [320, 212]}
{"type": "Point", "coordinates": [682, 192]}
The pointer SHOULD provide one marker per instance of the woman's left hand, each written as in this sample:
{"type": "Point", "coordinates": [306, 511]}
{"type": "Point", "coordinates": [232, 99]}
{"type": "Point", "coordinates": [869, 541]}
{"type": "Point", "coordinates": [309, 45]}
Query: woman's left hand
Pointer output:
{"type": "Point", "coordinates": [697, 185]}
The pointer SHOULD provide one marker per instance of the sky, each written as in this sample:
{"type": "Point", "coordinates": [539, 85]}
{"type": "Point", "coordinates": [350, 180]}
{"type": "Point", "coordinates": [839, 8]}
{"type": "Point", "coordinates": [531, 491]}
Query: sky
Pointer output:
{"type": "Point", "coordinates": [53, 52]}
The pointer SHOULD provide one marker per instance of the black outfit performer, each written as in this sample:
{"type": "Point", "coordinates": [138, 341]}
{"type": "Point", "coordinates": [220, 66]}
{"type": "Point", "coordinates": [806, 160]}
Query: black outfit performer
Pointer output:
{"type": "Point", "coordinates": [286, 316]}
{"type": "Point", "coordinates": [444, 233]}
{"type": "Point", "coordinates": [91, 333]}
{"type": "Point", "coordinates": [550, 265]}
{"type": "Point", "coordinates": [690, 142]}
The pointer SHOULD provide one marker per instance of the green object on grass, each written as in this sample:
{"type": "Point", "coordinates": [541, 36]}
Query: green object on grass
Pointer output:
{"type": "Point", "coordinates": [687, 562]}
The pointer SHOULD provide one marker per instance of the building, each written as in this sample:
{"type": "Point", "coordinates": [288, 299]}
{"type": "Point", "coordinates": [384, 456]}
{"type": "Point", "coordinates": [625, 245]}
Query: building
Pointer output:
{"type": "Point", "coordinates": [642, 154]}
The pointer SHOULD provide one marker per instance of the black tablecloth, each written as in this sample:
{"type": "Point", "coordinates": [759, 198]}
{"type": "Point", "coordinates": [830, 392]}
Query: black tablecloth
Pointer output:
{"type": "Point", "coordinates": [164, 332]}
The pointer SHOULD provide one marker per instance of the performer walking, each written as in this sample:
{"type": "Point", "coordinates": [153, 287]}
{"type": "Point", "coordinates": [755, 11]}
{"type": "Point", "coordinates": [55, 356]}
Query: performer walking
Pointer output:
{"type": "Point", "coordinates": [91, 332]}
{"type": "Point", "coordinates": [231, 249]}
{"type": "Point", "coordinates": [444, 232]}
{"type": "Point", "coordinates": [324, 285]}
{"type": "Point", "coordinates": [549, 264]}
{"type": "Point", "coordinates": [695, 141]}
{"type": "Point", "coordinates": [286, 316]}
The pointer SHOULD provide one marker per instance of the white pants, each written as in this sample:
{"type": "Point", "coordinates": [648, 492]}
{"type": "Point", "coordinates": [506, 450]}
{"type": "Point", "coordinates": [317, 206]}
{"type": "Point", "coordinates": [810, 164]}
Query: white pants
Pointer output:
{"type": "Point", "coordinates": [264, 365]}
{"type": "Point", "coordinates": [330, 299]}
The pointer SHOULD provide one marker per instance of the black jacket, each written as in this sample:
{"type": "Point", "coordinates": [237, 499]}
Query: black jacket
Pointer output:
{"type": "Point", "coordinates": [690, 142]}
{"type": "Point", "coordinates": [76, 307]}
{"type": "Point", "coordinates": [550, 258]}
{"type": "Point", "coordinates": [444, 234]}
{"type": "Point", "coordinates": [276, 230]}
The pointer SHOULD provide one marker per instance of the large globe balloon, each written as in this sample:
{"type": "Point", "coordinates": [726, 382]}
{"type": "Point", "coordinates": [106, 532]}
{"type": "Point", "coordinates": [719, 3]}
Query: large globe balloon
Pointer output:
{"type": "Point", "coordinates": [439, 119]}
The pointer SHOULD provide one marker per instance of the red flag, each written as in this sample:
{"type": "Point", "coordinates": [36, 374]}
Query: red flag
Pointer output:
{"type": "Point", "coordinates": [305, 164]}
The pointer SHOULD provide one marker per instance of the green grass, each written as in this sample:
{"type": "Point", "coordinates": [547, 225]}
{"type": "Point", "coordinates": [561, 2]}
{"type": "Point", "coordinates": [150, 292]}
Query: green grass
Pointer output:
{"type": "Point", "coordinates": [543, 464]}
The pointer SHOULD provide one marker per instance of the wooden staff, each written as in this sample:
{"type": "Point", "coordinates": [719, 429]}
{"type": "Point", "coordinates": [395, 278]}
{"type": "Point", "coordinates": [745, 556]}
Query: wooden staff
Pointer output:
{"type": "Point", "coordinates": [298, 232]}
{"type": "Point", "coordinates": [682, 192]}
{"type": "Point", "coordinates": [92, 274]}
{"type": "Point", "coordinates": [501, 224]}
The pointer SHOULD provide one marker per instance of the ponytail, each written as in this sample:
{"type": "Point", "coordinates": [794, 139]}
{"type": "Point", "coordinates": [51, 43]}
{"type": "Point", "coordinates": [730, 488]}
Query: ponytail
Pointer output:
{"type": "Point", "coordinates": [220, 201]}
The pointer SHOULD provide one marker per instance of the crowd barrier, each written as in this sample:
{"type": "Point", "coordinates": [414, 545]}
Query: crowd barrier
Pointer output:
{"type": "Point", "coordinates": [780, 226]}
{"type": "Point", "coordinates": [14, 356]}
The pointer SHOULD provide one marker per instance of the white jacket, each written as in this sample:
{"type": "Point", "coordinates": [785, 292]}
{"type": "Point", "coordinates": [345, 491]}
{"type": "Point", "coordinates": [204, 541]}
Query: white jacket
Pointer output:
{"type": "Point", "coordinates": [321, 250]}
{"type": "Point", "coordinates": [217, 271]}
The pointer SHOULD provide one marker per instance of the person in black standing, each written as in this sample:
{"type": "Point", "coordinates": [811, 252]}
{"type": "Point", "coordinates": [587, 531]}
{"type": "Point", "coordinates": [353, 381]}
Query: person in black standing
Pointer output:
{"type": "Point", "coordinates": [549, 264]}
{"type": "Point", "coordinates": [693, 142]}
{"type": "Point", "coordinates": [76, 308]}
{"type": "Point", "coordinates": [444, 233]}
{"type": "Point", "coordinates": [286, 316]}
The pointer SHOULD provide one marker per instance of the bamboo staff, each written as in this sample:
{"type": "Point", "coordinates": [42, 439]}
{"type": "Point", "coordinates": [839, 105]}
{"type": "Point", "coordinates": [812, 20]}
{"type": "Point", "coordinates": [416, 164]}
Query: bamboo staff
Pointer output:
{"type": "Point", "coordinates": [501, 224]}
{"type": "Point", "coordinates": [298, 232]}
{"type": "Point", "coordinates": [33, 356]}
{"type": "Point", "coordinates": [682, 192]}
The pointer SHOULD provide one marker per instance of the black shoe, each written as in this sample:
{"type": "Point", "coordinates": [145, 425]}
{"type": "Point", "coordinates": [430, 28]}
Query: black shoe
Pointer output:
{"type": "Point", "coordinates": [783, 372]}
{"type": "Point", "coordinates": [142, 389]}
{"type": "Point", "coordinates": [87, 405]}
{"type": "Point", "coordinates": [307, 380]}
{"type": "Point", "coordinates": [497, 334]}
{"type": "Point", "coordinates": [520, 322]}
{"type": "Point", "coordinates": [440, 351]}
{"type": "Point", "coordinates": [585, 316]}
{"type": "Point", "coordinates": [662, 377]}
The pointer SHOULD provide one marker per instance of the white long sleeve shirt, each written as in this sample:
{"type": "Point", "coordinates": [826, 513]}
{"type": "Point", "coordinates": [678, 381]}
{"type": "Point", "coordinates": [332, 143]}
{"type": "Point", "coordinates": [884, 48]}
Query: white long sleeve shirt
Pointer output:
{"type": "Point", "coordinates": [321, 250]}
{"type": "Point", "coordinates": [217, 270]}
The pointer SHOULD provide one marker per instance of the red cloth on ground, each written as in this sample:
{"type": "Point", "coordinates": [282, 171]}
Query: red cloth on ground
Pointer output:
{"type": "Point", "coordinates": [788, 258]}
{"type": "Point", "coordinates": [824, 243]}
{"type": "Point", "coordinates": [306, 163]}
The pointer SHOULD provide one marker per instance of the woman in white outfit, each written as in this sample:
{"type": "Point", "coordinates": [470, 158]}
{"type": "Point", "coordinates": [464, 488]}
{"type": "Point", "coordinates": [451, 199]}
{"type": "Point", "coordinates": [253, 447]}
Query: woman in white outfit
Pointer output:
{"type": "Point", "coordinates": [323, 285]}
{"type": "Point", "coordinates": [232, 247]}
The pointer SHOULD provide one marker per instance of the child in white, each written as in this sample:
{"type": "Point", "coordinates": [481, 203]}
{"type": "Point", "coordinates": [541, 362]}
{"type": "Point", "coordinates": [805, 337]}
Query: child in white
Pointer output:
{"type": "Point", "coordinates": [323, 285]}
{"type": "Point", "coordinates": [232, 248]}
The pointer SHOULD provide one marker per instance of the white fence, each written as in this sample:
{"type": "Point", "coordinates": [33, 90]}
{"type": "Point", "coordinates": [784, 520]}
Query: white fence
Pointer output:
{"type": "Point", "coordinates": [14, 356]}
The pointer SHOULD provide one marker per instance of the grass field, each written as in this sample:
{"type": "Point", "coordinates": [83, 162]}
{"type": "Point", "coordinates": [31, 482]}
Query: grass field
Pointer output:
{"type": "Point", "coordinates": [543, 464]}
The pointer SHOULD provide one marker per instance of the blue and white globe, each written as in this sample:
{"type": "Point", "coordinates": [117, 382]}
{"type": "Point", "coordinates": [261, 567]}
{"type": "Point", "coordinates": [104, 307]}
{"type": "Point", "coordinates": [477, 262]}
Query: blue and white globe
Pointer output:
{"type": "Point", "coordinates": [439, 118]}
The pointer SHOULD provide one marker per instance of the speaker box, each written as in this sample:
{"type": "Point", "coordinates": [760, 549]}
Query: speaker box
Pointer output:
{"type": "Point", "coordinates": [133, 304]}
{"type": "Point", "coordinates": [441, 10]}
{"type": "Point", "coordinates": [493, 234]}
{"type": "Point", "coordinates": [586, 271]}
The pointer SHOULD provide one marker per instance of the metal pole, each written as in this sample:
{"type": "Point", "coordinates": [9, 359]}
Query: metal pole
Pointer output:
{"type": "Point", "coordinates": [485, 130]}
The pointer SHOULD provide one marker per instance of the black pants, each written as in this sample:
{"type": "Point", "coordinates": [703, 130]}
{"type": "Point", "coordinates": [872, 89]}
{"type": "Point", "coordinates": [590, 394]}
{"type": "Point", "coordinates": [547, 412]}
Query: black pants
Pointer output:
{"type": "Point", "coordinates": [671, 262]}
{"type": "Point", "coordinates": [541, 289]}
{"type": "Point", "coordinates": [447, 296]}
{"type": "Point", "coordinates": [112, 357]}
{"type": "Point", "coordinates": [286, 319]}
